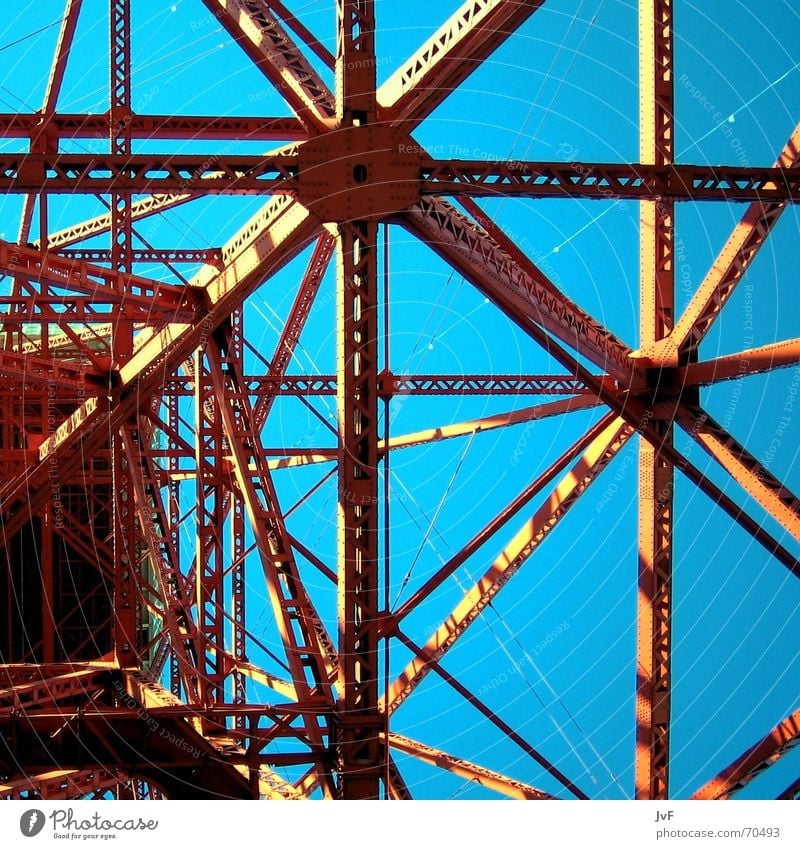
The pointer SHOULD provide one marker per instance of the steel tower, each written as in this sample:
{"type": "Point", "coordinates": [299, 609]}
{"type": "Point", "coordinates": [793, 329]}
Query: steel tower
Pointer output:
{"type": "Point", "coordinates": [131, 419]}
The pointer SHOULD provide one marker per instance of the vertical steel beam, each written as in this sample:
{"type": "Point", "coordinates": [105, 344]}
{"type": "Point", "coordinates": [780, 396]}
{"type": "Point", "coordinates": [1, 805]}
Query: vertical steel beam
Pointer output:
{"type": "Point", "coordinates": [48, 600]}
{"type": "Point", "coordinates": [120, 126]}
{"type": "Point", "coordinates": [173, 419]}
{"type": "Point", "coordinates": [210, 517]}
{"type": "Point", "coordinates": [361, 754]}
{"type": "Point", "coordinates": [355, 61]}
{"type": "Point", "coordinates": [126, 618]}
{"type": "Point", "coordinates": [656, 475]}
{"type": "Point", "coordinates": [238, 549]}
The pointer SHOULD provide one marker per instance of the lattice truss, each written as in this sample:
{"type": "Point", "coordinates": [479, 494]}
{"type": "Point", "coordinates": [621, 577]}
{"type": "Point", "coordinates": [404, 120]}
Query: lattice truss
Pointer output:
{"type": "Point", "coordinates": [185, 613]}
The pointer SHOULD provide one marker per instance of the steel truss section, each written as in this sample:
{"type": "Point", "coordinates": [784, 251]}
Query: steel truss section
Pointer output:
{"type": "Point", "coordinates": [139, 459]}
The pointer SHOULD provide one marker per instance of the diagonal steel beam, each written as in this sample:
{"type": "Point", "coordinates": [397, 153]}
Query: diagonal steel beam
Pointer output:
{"type": "Point", "coordinates": [777, 499]}
{"type": "Point", "coordinates": [594, 459]}
{"type": "Point", "coordinates": [303, 302]}
{"type": "Point", "coordinates": [259, 33]}
{"type": "Point", "coordinates": [730, 266]}
{"type": "Point", "coordinates": [309, 651]}
{"type": "Point", "coordinates": [734, 366]}
{"type": "Point", "coordinates": [495, 781]}
{"type": "Point", "coordinates": [489, 530]}
{"type": "Point", "coordinates": [45, 120]}
{"type": "Point", "coordinates": [638, 412]}
{"type": "Point", "coordinates": [754, 761]}
{"type": "Point", "coordinates": [163, 560]}
{"type": "Point", "coordinates": [513, 735]}
{"type": "Point", "coordinates": [523, 290]}
{"type": "Point", "coordinates": [471, 34]}
{"type": "Point", "coordinates": [281, 11]}
{"type": "Point", "coordinates": [489, 423]}
{"type": "Point", "coordinates": [102, 223]}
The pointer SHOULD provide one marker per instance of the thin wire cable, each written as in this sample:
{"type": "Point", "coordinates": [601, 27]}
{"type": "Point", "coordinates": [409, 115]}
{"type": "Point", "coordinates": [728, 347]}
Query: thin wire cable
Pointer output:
{"type": "Point", "coordinates": [527, 681]}
{"type": "Point", "coordinates": [558, 727]}
{"type": "Point", "coordinates": [752, 100]}
{"type": "Point", "coordinates": [432, 524]}
{"type": "Point", "coordinates": [30, 34]}
{"type": "Point", "coordinates": [555, 695]}
{"type": "Point", "coordinates": [681, 153]}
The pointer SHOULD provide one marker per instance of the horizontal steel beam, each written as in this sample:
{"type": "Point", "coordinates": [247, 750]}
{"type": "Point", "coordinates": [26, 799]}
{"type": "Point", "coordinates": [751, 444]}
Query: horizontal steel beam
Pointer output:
{"type": "Point", "coordinates": [609, 181]}
{"type": "Point", "coordinates": [397, 384]}
{"type": "Point", "coordinates": [734, 366]}
{"type": "Point", "coordinates": [151, 127]}
{"type": "Point", "coordinates": [211, 256]}
{"type": "Point", "coordinates": [280, 173]}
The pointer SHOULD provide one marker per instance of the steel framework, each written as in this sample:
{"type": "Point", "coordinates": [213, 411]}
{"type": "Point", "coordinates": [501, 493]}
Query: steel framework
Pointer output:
{"type": "Point", "coordinates": [126, 649]}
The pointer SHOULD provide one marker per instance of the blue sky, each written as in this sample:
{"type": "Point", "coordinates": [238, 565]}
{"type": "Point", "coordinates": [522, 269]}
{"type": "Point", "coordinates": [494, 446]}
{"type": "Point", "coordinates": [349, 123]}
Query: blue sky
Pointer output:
{"type": "Point", "coordinates": [554, 655]}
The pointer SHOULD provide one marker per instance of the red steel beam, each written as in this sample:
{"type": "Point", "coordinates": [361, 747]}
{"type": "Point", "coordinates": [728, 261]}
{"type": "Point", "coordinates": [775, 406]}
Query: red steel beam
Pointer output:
{"type": "Point", "coordinates": [277, 172]}
{"type": "Point", "coordinates": [499, 723]}
{"type": "Point", "coordinates": [776, 498]}
{"type": "Point", "coordinates": [212, 487]}
{"type": "Point", "coordinates": [63, 46]}
{"type": "Point", "coordinates": [479, 384]}
{"type": "Point", "coordinates": [488, 778]}
{"type": "Point", "coordinates": [656, 473]}
{"type": "Point", "coordinates": [309, 652]}
{"type": "Point", "coordinates": [19, 125]}
{"type": "Point", "coordinates": [58, 373]}
{"type": "Point", "coordinates": [25, 687]}
{"type": "Point", "coordinates": [754, 761]}
{"type": "Point", "coordinates": [596, 457]}
{"type": "Point", "coordinates": [125, 540]}
{"type": "Point", "coordinates": [163, 560]}
{"type": "Point", "coordinates": [210, 256]}
{"type": "Point", "coordinates": [640, 181]}
{"type": "Point", "coordinates": [522, 290]}
{"type": "Point", "coordinates": [489, 423]}
{"type": "Point", "coordinates": [471, 34]}
{"type": "Point", "coordinates": [102, 224]}
{"type": "Point", "coordinates": [734, 366]}
{"type": "Point", "coordinates": [728, 269]}
{"type": "Point", "coordinates": [295, 322]}
{"type": "Point", "coordinates": [390, 385]}
{"type": "Point", "coordinates": [488, 531]}
{"type": "Point", "coordinates": [62, 784]}
{"type": "Point", "coordinates": [306, 36]}
{"type": "Point", "coordinates": [46, 139]}
{"type": "Point", "coordinates": [357, 396]}
{"type": "Point", "coordinates": [361, 724]}
{"type": "Point", "coordinates": [638, 413]}
{"type": "Point", "coordinates": [109, 284]}
{"type": "Point", "coordinates": [258, 32]}
{"type": "Point", "coordinates": [143, 173]}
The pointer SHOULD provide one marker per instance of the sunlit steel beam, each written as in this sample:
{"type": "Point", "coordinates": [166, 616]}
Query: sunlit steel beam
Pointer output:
{"type": "Point", "coordinates": [471, 34]}
{"type": "Point", "coordinates": [494, 781]}
{"type": "Point", "coordinates": [750, 764]}
{"type": "Point", "coordinates": [596, 457]}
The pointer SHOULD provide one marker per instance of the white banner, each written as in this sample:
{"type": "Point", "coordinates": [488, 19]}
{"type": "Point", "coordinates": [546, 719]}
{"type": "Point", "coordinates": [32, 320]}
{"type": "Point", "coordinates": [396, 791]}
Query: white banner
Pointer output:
{"type": "Point", "coordinates": [410, 825]}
